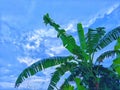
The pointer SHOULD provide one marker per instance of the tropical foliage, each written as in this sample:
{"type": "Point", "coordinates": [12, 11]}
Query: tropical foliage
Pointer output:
{"type": "Point", "coordinates": [84, 73]}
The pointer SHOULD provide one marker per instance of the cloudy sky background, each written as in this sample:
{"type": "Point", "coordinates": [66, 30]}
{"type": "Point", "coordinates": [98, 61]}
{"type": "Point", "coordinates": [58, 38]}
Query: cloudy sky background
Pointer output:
{"type": "Point", "coordinates": [24, 39]}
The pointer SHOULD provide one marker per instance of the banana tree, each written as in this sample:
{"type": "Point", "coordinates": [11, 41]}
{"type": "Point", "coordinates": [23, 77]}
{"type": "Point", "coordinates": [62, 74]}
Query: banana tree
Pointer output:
{"type": "Point", "coordinates": [86, 74]}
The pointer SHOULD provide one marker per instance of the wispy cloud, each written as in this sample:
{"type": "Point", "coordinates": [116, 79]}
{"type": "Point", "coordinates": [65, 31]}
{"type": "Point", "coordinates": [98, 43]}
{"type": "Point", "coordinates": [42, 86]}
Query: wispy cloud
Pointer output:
{"type": "Point", "coordinates": [57, 49]}
{"type": "Point", "coordinates": [34, 38]}
{"type": "Point", "coordinates": [4, 70]}
{"type": "Point", "coordinates": [49, 53]}
{"type": "Point", "coordinates": [70, 26]}
{"type": "Point", "coordinates": [35, 83]}
{"type": "Point", "coordinates": [6, 85]}
{"type": "Point", "coordinates": [7, 82]}
{"type": "Point", "coordinates": [112, 8]}
{"type": "Point", "coordinates": [27, 60]}
{"type": "Point", "coordinates": [46, 32]}
{"type": "Point", "coordinates": [32, 41]}
{"type": "Point", "coordinates": [101, 14]}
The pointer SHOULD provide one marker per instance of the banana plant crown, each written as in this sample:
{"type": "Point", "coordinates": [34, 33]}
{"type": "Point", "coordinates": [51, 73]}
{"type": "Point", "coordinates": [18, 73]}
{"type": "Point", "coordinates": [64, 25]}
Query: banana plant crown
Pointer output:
{"type": "Point", "coordinates": [87, 76]}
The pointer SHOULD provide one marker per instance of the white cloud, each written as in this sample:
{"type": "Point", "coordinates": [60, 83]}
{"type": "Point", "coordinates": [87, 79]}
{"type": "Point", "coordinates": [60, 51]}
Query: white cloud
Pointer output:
{"type": "Point", "coordinates": [111, 9]}
{"type": "Point", "coordinates": [48, 52]}
{"type": "Point", "coordinates": [35, 83]}
{"type": "Point", "coordinates": [7, 82]}
{"type": "Point", "coordinates": [33, 39]}
{"type": "Point", "coordinates": [101, 14]}
{"type": "Point", "coordinates": [46, 33]}
{"type": "Point", "coordinates": [70, 27]}
{"type": "Point", "coordinates": [53, 47]}
{"type": "Point", "coordinates": [6, 85]}
{"type": "Point", "coordinates": [32, 83]}
{"type": "Point", "coordinates": [29, 47]}
{"type": "Point", "coordinates": [57, 49]}
{"type": "Point", "coordinates": [62, 78]}
{"type": "Point", "coordinates": [4, 70]}
{"type": "Point", "coordinates": [50, 70]}
{"type": "Point", "coordinates": [27, 60]}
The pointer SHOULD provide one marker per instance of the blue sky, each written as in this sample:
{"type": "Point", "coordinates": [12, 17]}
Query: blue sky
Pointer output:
{"type": "Point", "coordinates": [25, 39]}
